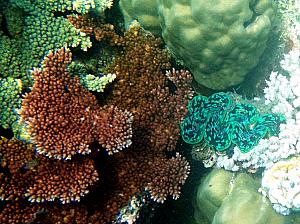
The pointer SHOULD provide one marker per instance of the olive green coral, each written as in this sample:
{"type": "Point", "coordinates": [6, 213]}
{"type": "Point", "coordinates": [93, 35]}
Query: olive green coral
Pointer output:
{"type": "Point", "coordinates": [10, 60]}
{"type": "Point", "coordinates": [46, 28]}
{"type": "Point", "coordinates": [10, 102]}
{"type": "Point", "coordinates": [224, 197]}
{"type": "Point", "coordinates": [96, 83]}
{"type": "Point", "coordinates": [219, 41]}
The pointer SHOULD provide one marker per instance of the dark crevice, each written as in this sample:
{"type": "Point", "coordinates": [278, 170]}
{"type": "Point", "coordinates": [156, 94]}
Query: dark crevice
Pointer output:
{"type": "Point", "coordinates": [4, 28]}
{"type": "Point", "coordinates": [254, 15]}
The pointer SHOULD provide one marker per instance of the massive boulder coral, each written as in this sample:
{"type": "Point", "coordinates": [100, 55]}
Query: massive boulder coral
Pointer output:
{"type": "Point", "coordinates": [145, 11]}
{"type": "Point", "coordinates": [225, 197]}
{"type": "Point", "coordinates": [219, 41]}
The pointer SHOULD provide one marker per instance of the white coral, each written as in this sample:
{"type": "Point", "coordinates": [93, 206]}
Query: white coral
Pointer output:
{"type": "Point", "coordinates": [282, 95]}
{"type": "Point", "coordinates": [281, 184]}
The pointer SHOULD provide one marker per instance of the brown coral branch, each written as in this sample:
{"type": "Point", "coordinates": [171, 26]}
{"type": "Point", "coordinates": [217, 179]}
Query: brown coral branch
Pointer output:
{"type": "Point", "coordinates": [63, 180]}
{"type": "Point", "coordinates": [63, 118]}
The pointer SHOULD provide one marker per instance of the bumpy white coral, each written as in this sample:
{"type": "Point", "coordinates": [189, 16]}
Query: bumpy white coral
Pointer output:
{"type": "Point", "coordinates": [281, 183]}
{"type": "Point", "coordinates": [282, 94]}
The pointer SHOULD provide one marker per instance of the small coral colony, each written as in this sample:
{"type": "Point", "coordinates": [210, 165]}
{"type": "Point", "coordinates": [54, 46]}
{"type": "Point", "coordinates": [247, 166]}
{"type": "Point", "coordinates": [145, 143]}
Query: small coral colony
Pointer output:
{"type": "Point", "coordinates": [97, 94]}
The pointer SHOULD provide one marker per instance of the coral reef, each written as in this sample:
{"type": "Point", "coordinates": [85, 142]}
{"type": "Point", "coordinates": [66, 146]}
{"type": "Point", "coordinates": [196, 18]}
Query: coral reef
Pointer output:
{"type": "Point", "coordinates": [219, 41]}
{"type": "Point", "coordinates": [91, 113]}
{"type": "Point", "coordinates": [66, 129]}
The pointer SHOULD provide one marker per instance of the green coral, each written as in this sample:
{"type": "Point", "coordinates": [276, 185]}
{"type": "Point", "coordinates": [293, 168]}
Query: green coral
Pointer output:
{"type": "Point", "coordinates": [145, 11]}
{"type": "Point", "coordinates": [96, 83]}
{"type": "Point", "coordinates": [11, 57]}
{"type": "Point", "coordinates": [221, 122]}
{"type": "Point", "coordinates": [45, 31]}
{"type": "Point", "coordinates": [224, 197]}
{"type": "Point", "coordinates": [97, 6]}
{"type": "Point", "coordinates": [10, 102]}
{"type": "Point", "coordinates": [13, 19]}
{"type": "Point", "coordinates": [220, 41]}
{"type": "Point", "coordinates": [46, 28]}
{"type": "Point", "coordinates": [79, 6]}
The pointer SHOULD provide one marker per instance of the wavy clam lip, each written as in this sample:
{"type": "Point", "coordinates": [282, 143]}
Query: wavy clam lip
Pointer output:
{"type": "Point", "coordinates": [221, 123]}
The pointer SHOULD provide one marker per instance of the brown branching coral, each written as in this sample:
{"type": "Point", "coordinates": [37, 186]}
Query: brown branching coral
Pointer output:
{"type": "Point", "coordinates": [59, 214]}
{"type": "Point", "coordinates": [154, 98]}
{"type": "Point", "coordinates": [15, 154]}
{"type": "Point", "coordinates": [113, 130]}
{"type": "Point", "coordinates": [157, 103]}
{"type": "Point", "coordinates": [41, 179]}
{"type": "Point", "coordinates": [19, 212]}
{"type": "Point", "coordinates": [165, 179]}
{"type": "Point", "coordinates": [63, 118]}
{"type": "Point", "coordinates": [13, 187]}
{"type": "Point", "coordinates": [63, 180]}
{"type": "Point", "coordinates": [157, 99]}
